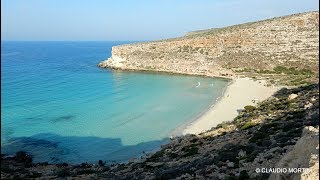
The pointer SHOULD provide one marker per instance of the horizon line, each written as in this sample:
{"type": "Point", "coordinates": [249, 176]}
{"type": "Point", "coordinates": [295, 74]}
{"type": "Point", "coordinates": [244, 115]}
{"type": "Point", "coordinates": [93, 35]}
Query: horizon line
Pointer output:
{"type": "Point", "coordinates": [184, 34]}
{"type": "Point", "coordinates": [74, 40]}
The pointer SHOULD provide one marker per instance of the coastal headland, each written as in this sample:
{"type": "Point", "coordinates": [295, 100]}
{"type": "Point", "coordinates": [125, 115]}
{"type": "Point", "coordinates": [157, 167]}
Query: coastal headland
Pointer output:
{"type": "Point", "coordinates": [283, 50]}
{"type": "Point", "coordinates": [267, 118]}
{"type": "Point", "coordinates": [259, 57]}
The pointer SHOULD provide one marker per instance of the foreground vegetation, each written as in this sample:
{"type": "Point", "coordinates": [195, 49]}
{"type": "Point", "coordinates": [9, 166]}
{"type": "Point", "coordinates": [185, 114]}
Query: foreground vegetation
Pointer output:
{"type": "Point", "coordinates": [281, 75]}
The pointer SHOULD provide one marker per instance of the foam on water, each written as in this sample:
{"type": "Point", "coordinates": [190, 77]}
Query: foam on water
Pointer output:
{"type": "Point", "coordinates": [59, 106]}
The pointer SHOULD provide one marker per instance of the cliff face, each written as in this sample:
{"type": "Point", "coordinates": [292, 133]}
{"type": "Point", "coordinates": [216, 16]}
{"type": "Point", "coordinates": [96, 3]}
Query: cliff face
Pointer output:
{"type": "Point", "coordinates": [247, 49]}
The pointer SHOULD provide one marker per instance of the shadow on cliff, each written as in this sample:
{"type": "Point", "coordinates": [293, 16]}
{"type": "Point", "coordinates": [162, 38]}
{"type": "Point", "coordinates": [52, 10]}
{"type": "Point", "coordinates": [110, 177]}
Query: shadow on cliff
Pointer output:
{"type": "Point", "coordinates": [53, 148]}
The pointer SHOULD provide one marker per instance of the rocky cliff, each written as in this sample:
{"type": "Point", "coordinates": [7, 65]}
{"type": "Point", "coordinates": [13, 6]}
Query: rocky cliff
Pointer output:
{"type": "Point", "coordinates": [283, 49]}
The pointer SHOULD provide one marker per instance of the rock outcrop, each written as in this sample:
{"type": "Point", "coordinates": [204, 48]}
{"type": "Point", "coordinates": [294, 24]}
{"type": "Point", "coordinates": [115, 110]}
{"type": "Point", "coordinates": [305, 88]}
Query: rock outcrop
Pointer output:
{"type": "Point", "coordinates": [305, 154]}
{"type": "Point", "coordinates": [256, 49]}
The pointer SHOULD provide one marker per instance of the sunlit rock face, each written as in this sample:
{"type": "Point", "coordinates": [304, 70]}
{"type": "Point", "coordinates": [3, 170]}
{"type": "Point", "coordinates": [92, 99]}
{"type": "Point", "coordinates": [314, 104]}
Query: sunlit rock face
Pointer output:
{"type": "Point", "coordinates": [290, 41]}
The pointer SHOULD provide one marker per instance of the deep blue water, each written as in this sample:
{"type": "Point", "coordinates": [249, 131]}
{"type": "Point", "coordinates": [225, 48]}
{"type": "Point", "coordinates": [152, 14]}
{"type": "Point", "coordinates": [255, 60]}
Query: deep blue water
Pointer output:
{"type": "Point", "coordinates": [59, 106]}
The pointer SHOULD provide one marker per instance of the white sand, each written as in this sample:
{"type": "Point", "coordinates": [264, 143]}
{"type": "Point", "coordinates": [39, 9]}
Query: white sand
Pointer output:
{"type": "Point", "coordinates": [241, 92]}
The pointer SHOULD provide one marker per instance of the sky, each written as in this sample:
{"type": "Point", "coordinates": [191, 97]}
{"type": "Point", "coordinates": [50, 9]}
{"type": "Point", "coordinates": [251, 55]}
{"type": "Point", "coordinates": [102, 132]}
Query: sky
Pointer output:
{"type": "Point", "coordinates": [133, 20]}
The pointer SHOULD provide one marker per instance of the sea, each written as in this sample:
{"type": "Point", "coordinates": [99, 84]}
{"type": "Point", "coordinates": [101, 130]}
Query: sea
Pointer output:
{"type": "Point", "coordinates": [58, 106]}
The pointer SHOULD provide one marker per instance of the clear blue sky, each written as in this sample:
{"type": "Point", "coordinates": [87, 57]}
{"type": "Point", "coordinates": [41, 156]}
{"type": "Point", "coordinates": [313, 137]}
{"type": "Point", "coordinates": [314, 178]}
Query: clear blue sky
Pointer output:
{"type": "Point", "coordinates": [133, 19]}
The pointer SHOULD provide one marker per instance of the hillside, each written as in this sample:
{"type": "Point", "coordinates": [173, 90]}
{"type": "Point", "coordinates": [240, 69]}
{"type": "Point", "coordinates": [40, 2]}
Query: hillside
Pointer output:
{"type": "Point", "coordinates": [283, 49]}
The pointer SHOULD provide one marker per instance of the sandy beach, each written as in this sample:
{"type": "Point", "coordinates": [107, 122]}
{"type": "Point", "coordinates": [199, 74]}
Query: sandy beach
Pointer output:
{"type": "Point", "coordinates": [241, 92]}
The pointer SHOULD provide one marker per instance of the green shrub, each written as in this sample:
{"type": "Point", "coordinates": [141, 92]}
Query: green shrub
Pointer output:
{"type": "Point", "coordinates": [63, 173]}
{"type": "Point", "coordinates": [156, 155]}
{"type": "Point", "coordinates": [191, 150]}
{"type": "Point", "coordinates": [248, 125]}
{"type": "Point", "coordinates": [250, 157]}
{"type": "Point", "coordinates": [306, 72]}
{"type": "Point", "coordinates": [222, 125]}
{"type": "Point", "coordinates": [258, 136]}
{"type": "Point", "coordinates": [173, 155]}
{"type": "Point", "coordinates": [244, 175]}
{"type": "Point", "coordinates": [261, 71]}
{"type": "Point", "coordinates": [292, 70]}
{"type": "Point", "coordinates": [186, 48]}
{"type": "Point", "coordinates": [35, 175]}
{"type": "Point", "coordinates": [230, 153]}
{"type": "Point", "coordinates": [232, 177]}
{"type": "Point", "coordinates": [85, 171]}
{"type": "Point", "coordinates": [280, 69]}
{"type": "Point", "coordinates": [249, 108]}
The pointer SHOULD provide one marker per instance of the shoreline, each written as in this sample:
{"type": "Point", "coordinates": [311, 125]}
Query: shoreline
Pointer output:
{"type": "Point", "coordinates": [226, 107]}
{"type": "Point", "coordinates": [239, 93]}
{"type": "Point", "coordinates": [229, 76]}
{"type": "Point", "coordinates": [178, 131]}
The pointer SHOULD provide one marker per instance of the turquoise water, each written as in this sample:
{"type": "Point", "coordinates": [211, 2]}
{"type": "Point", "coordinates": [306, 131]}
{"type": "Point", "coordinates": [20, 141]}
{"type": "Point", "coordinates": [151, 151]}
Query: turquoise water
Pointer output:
{"type": "Point", "coordinates": [59, 106]}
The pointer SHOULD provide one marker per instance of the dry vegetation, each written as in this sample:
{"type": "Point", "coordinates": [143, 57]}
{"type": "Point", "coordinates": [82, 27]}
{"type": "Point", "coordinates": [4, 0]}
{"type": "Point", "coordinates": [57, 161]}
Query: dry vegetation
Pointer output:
{"type": "Point", "coordinates": [251, 49]}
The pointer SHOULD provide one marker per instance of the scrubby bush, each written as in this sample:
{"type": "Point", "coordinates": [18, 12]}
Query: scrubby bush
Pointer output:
{"type": "Point", "coordinates": [85, 171]}
{"type": "Point", "coordinates": [280, 69]}
{"type": "Point", "coordinates": [306, 71]}
{"type": "Point", "coordinates": [35, 175]}
{"type": "Point", "coordinates": [258, 136]}
{"type": "Point", "coordinates": [244, 175]}
{"type": "Point", "coordinates": [190, 150]}
{"type": "Point", "coordinates": [222, 125]}
{"type": "Point", "coordinates": [156, 155]}
{"type": "Point", "coordinates": [249, 108]}
{"type": "Point", "coordinates": [62, 173]}
{"type": "Point", "coordinates": [292, 70]}
{"type": "Point", "coordinates": [173, 155]}
{"type": "Point", "coordinates": [248, 125]}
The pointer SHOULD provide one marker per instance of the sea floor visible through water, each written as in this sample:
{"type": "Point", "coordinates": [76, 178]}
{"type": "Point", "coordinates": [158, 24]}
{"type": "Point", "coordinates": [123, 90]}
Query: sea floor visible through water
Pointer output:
{"type": "Point", "coordinates": [59, 106]}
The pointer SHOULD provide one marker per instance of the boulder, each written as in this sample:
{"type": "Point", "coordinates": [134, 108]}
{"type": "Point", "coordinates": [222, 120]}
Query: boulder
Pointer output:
{"type": "Point", "coordinates": [230, 164]}
{"type": "Point", "coordinates": [292, 96]}
{"type": "Point", "coordinates": [242, 153]}
{"type": "Point", "coordinates": [307, 106]}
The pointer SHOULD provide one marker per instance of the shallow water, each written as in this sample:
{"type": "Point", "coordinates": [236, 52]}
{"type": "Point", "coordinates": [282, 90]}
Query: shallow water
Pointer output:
{"type": "Point", "coordinates": [59, 106]}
